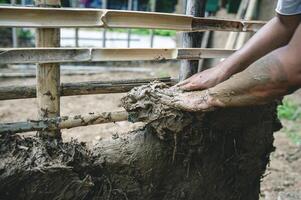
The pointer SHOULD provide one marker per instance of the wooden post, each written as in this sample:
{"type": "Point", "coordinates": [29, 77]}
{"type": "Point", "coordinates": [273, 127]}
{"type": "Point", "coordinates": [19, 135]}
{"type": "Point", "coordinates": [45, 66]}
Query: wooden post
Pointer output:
{"type": "Point", "coordinates": [195, 8]}
{"type": "Point", "coordinates": [48, 75]}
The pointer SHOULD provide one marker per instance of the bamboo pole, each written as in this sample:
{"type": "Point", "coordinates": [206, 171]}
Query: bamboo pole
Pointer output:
{"type": "Point", "coordinates": [75, 17]}
{"type": "Point", "coordinates": [68, 55]}
{"type": "Point", "coordinates": [48, 75]}
{"type": "Point", "coordinates": [104, 31]}
{"type": "Point", "coordinates": [57, 123]}
{"type": "Point", "coordinates": [130, 7]}
{"type": "Point", "coordinates": [232, 39]}
{"type": "Point", "coordinates": [80, 88]}
{"type": "Point", "coordinates": [76, 30]}
{"type": "Point", "coordinates": [242, 38]}
{"type": "Point", "coordinates": [195, 8]}
{"type": "Point", "coordinates": [14, 30]}
{"type": "Point", "coordinates": [152, 9]}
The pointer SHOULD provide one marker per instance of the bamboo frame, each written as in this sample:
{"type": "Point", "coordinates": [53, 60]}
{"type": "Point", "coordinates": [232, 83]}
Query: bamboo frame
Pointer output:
{"type": "Point", "coordinates": [103, 18]}
{"type": "Point", "coordinates": [80, 88]}
{"type": "Point", "coordinates": [66, 55]}
{"type": "Point", "coordinates": [66, 122]}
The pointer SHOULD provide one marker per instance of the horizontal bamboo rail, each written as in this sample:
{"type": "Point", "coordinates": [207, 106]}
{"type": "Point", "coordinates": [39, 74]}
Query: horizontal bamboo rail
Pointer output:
{"type": "Point", "coordinates": [67, 55]}
{"type": "Point", "coordinates": [102, 18]}
{"type": "Point", "coordinates": [63, 122]}
{"type": "Point", "coordinates": [81, 88]}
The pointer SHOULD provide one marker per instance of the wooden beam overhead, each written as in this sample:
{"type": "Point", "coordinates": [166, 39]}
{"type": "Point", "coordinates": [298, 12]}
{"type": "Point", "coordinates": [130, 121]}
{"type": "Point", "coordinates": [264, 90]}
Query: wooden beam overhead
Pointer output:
{"type": "Point", "coordinates": [67, 55]}
{"type": "Point", "coordinates": [103, 18]}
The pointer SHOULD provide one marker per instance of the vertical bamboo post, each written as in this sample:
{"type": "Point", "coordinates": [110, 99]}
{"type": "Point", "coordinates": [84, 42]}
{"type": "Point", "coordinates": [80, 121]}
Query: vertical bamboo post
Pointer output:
{"type": "Point", "coordinates": [76, 29]}
{"type": "Point", "coordinates": [192, 40]}
{"type": "Point", "coordinates": [48, 75]}
{"type": "Point", "coordinates": [152, 9]}
{"type": "Point", "coordinates": [104, 31]}
{"type": "Point", "coordinates": [14, 30]}
{"type": "Point", "coordinates": [130, 7]}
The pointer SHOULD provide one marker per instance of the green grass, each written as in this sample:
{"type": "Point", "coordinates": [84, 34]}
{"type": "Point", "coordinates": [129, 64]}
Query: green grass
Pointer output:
{"type": "Point", "coordinates": [289, 110]}
{"type": "Point", "coordinates": [294, 135]}
{"type": "Point", "coordinates": [290, 114]}
{"type": "Point", "coordinates": [146, 32]}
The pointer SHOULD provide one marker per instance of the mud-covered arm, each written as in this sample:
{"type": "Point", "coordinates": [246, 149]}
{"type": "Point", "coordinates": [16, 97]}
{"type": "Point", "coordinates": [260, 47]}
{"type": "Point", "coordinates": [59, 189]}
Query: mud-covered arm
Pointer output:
{"type": "Point", "coordinates": [275, 34]}
{"type": "Point", "coordinates": [272, 76]}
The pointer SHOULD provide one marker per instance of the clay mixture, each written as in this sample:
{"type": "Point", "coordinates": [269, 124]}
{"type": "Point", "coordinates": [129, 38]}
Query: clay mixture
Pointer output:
{"type": "Point", "coordinates": [176, 155]}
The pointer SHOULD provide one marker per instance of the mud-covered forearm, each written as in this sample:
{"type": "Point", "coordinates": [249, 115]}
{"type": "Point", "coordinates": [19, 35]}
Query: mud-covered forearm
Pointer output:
{"type": "Point", "coordinates": [275, 34]}
{"type": "Point", "coordinates": [265, 80]}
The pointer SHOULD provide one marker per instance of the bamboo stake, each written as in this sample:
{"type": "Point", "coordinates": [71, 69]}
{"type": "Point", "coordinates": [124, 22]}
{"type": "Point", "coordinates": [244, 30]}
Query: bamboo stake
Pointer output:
{"type": "Point", "coordinates": [231, 41]}
{"type": "Point", "coordinates": [75, 17]}
{"type": "Point", "coordinates": [48, 75]}
{"type": "Point", "coordinates": [66, 55]}
{"type": "Point", "coordinates": [242, 38]}
{"type": "Point", "coordinates": [58, 123]}
{"type": "Point", "coordinates": [80, 88]}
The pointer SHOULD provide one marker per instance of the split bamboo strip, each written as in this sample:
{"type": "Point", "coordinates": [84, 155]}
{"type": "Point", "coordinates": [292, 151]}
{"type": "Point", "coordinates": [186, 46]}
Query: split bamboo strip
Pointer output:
{"type": "Point", "coordinates": [57, 123]}
{"type": "Point", "coordinates": [81, 88]}
{"type": "Point", "coordinates": [66, 55]}
{"type": "Point", "coordinates": [103, 18]}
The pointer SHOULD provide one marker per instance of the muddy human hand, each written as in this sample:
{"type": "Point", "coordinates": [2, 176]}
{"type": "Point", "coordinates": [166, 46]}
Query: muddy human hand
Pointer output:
{"type": "Point", "coordinates": [188, 101]}
{"type": "Point", "coordinates": [204, 80]}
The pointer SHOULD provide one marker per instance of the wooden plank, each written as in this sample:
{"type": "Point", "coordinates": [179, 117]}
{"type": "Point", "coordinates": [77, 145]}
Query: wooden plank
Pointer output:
{"type": "Point", "coordinates": [102, 18]}
{"type": "Point", "coordinates": [195, 8]}
{"type": "Point", "coordinates": [48, 75]}
{"type": "Point", "coordinates": [65, 122]}
{"type": "Point", "coordinates": [80, 88]}
{"type": "Point", "coordinates": [68, 55]}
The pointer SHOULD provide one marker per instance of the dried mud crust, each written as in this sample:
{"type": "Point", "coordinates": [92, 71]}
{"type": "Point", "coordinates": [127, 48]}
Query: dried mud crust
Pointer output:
{"type": "Point", "coordinates": [218, 155]}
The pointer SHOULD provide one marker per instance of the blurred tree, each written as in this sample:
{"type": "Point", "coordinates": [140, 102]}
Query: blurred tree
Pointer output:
{"type": "Point", "coordinates": [166, 6]}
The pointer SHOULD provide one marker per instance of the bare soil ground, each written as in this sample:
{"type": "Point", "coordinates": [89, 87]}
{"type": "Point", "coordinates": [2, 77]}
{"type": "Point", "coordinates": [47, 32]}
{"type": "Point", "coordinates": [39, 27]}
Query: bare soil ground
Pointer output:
{"type": "Point", "coordinates": [284, 172]}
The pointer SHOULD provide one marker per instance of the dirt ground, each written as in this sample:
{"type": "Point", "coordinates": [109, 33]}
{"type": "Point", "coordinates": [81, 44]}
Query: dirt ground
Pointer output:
{"type": "Point", "coordinates": [284, 172]}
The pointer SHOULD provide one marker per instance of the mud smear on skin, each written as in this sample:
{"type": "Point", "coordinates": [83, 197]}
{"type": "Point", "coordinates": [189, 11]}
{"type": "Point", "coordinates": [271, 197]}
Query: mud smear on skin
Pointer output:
{"type": "Point", "coordinates": [217, 155]}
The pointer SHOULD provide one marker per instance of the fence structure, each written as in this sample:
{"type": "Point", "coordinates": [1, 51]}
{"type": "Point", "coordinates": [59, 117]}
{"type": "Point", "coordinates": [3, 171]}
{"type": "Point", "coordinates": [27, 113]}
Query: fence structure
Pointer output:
{"type": "Point", "coordinates": [48, 56]}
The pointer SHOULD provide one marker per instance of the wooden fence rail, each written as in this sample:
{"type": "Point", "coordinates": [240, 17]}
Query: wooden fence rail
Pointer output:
{"type": "Point", "coordinates": [67, 55]}
{"type": "Point", "coordinates": [81, 88]}
{"type": "Point", "coordinates": [102, 18]}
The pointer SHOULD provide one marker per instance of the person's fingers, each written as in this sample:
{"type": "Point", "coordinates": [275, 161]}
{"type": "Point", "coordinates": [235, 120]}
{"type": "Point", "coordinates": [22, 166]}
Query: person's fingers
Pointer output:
{"type": "Point", "coordinates": [182, 83]}
{"type": "Point", "coordinates": [190, 87]}
{"type": "Point", "coordinates": [164, 97]}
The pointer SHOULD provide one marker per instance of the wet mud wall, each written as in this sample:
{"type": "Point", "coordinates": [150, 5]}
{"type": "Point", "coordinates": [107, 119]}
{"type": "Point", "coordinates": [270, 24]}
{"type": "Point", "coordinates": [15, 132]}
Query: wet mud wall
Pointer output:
{"type": "Point", "coordinates": [177, 155]}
